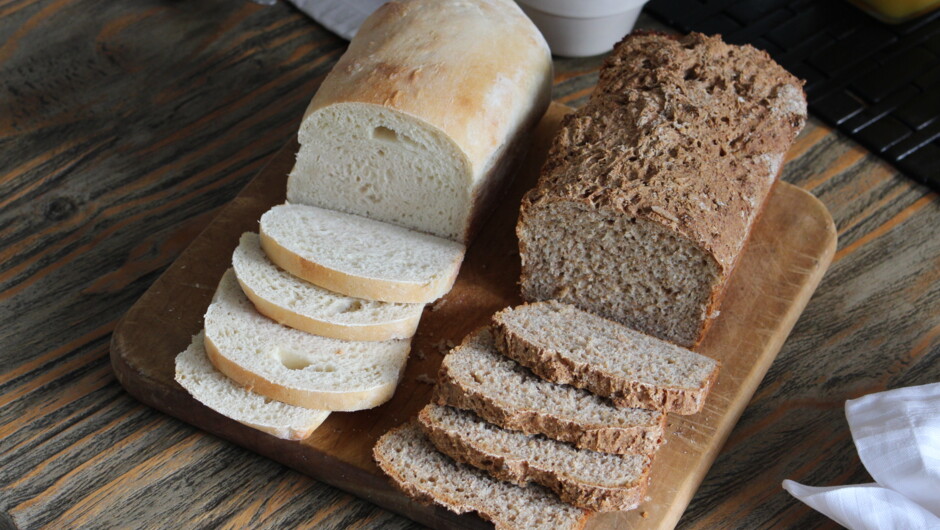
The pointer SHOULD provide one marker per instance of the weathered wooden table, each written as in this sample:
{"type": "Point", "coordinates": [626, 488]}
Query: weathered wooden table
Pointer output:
{"type": "Point", "coordinates": [125, 126]}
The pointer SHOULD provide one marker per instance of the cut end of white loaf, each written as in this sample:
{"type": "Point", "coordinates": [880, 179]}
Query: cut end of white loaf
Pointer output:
{"type": "Point", "coordinates": [382, 164]}
{"type": "Point", "coordinates": [211, 388]}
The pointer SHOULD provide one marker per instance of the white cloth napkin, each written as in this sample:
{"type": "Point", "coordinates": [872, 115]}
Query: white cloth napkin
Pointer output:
{"type": "Point", "coordinates": [342, 17]}
{"type": "Point", "coordinates": [897, 434]}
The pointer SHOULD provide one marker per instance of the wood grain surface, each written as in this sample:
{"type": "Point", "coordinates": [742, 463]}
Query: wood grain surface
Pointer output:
{"type": "Point", "coordinates": [124, 126]}
{"type": "Point", "coordinates": [790, 248]}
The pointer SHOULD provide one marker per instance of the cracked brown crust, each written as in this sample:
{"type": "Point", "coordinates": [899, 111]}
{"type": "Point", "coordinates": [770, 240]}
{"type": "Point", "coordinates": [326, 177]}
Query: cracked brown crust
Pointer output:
{"type": "Point", "coordinates": [554, 367]}
{"type": "Point", "coordinates": [652, 143]}
{"type": "Point", "coordinates": [453, 392]}
{"type": "Point", "coordinates": [686, 132]}
{"type": "Point", "coordinates": [592, 497]}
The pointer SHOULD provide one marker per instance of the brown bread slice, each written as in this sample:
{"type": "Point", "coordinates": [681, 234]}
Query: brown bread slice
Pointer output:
{"type": "Point", "coordinates": [474, 376]}
{"type": "Point", "coordinates": [586, 479]}
{"type": "Point", "coordinates": [567, 345]}
{"type": "Point", "coordinates": [426, 475]}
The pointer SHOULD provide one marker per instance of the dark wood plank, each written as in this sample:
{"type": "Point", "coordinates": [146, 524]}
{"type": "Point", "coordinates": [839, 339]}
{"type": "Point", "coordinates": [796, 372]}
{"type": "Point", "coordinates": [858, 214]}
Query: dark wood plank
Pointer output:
{"type": "Point", "coordinates": [125, 126]}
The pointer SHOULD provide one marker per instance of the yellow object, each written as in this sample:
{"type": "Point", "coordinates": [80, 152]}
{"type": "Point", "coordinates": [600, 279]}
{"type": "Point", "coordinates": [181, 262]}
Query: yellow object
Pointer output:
{"type": "Point", "coordinates": [896, 11]}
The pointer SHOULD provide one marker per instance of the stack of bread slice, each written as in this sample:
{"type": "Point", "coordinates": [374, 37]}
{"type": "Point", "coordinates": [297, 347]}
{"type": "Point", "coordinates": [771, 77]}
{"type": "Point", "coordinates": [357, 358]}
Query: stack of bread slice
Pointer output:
{"type": "Point", "coordinates": [315, 315]}
{"type": "Point", "coordinates": [555, 396]}
{"type": "Point", "coordinates": [402, 157]}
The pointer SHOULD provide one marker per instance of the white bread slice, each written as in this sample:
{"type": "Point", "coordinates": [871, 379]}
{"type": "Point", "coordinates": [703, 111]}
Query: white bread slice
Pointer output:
{"type": "Point", "coordinates": [426, 475]}
{"type": "Point", "coordinates": [359, 257]}
{"type": "Point", "coordinates": [419, 120]}
{"type": "Point", "coordinates": [210, 387]}
{"type": "Point", "coordinates": [299, 304]}
{"type": "Point", "coordinates": [293, 366]}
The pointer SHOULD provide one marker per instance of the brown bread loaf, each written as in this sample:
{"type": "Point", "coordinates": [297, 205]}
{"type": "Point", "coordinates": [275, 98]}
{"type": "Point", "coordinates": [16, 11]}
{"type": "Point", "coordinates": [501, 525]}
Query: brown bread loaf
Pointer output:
{"type": "Point", "coordinates": [650, 190]}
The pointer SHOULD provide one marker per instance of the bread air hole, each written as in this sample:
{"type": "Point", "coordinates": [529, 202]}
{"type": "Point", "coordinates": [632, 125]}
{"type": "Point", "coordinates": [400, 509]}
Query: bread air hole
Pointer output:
{"type": "Point", "coordinates": [384, 134]}
{"type": "Point", "coordinates": [291, 360]}
{"type": "Point", "coordinates": [353, 306]}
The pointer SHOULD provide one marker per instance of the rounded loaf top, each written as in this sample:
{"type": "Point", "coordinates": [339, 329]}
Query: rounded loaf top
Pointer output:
{"type": "Point", "coordinates": [688, 131]}
{"type": "Point", "coordinates": [740, 86]}
{"type": "Point", "coordinates": [464, 66]}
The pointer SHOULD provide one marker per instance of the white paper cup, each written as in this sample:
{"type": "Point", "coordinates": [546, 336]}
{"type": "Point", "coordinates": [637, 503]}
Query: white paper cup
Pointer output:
{"type": "Point", "coordinates": [580, 28]}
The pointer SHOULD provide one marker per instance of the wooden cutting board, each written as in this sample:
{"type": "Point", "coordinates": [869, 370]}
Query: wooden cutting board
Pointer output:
{"type": "Point", "coordinates": [791, 247]}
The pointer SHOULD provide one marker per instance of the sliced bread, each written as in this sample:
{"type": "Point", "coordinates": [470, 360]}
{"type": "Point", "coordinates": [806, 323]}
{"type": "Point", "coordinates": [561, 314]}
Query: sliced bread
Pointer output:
{"type": "Point", "coordinates": [474, 376]}
{"type": "Point", "coordinates": [587, 479]}
{"type": "Point", "coordinates": [567, 345]}
{"type": "Point", "coordinates": [423, 473]}
{"type": "Point", "coordinates": [293, 366]}
{"type": "Point", "coordinates": [210, 387]}
{"type": "Point", "coordinates": [359, 257]}
{"type": "Point", "coordinates": [293, 302]}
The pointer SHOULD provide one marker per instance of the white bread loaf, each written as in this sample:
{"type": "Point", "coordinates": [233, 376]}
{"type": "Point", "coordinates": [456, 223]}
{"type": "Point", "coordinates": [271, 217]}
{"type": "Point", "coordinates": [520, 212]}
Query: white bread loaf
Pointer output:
{"type": "Point", "coordinates": [210, 387]}
{"type": "Point", "coordinates": [299, 304]}
{"type": "Point", "coordinates": [420, 118]}
{"type": "Point", "coordinates": [296, 367]}
{"type": "Point", "coordinates": [359, 257]}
